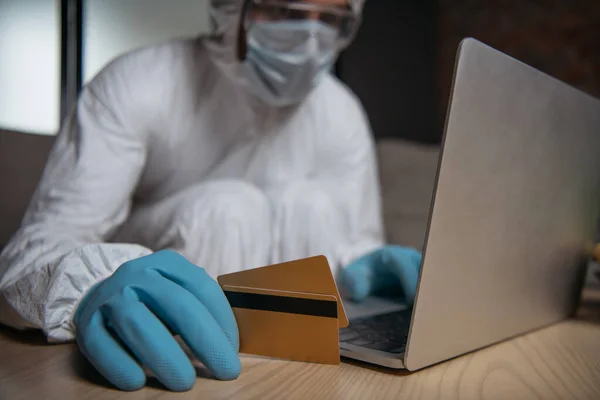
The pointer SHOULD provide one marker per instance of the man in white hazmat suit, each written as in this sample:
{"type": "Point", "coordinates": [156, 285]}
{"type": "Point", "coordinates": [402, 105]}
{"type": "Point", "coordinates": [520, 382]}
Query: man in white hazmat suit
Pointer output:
{"type": "Point", "coordinates": [193, 158]}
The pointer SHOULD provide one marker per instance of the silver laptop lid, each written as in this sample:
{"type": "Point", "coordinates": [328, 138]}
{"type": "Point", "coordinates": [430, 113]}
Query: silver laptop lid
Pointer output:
{"type": "Point", "coordinates": [516, 203]}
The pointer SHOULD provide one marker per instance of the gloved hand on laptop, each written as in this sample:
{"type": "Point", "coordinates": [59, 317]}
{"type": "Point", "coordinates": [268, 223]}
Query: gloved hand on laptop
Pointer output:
{"type": "Point", "coordinates": [392, 270]}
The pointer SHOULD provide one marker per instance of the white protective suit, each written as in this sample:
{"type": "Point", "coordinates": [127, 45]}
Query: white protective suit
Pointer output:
{"type": "Point", "coordinates": [166, 149]}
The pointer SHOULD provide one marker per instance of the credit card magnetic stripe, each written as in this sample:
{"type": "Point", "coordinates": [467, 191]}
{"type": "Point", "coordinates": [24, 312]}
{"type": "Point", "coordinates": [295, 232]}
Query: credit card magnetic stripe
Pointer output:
{"type": "Point", "coordinates": [290, 305]}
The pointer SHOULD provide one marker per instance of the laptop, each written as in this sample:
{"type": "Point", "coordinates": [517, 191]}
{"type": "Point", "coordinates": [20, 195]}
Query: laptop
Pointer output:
{"type": "Point", "coordinates": [514, 212]}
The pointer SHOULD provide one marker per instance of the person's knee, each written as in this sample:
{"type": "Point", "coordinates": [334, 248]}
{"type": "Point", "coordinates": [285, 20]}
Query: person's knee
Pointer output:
{"type": "Point", "coordinates": [307, 210]}
{"type": "Point", "coordinates": [225, 227]}
{"type": "Point", "coordinates": [228, 204]}
{"type": "Point", "coordinates": [308, 223]}
{"type": "Point", "coordinates": [306, 199]}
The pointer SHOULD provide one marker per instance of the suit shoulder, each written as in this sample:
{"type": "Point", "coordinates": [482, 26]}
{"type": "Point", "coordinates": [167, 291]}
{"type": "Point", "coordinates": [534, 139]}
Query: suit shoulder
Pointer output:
{"type": "Point", "coordinates": [150, 62]}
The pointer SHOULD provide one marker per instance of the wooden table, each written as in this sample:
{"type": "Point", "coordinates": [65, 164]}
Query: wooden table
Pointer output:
{"type": "Point", "coordinates": [558, 362]}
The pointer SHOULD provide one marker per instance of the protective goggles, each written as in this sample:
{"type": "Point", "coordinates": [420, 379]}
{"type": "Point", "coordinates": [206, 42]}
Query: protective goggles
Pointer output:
{"type": "Point", "coordinates": [343, 21]}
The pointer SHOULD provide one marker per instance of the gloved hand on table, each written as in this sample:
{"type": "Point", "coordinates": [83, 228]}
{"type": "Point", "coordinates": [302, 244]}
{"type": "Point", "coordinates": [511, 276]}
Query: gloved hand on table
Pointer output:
{"type": "Point", "coordinates": [123, 324]}
{"type": "Point", "coordinates": [390, 270]}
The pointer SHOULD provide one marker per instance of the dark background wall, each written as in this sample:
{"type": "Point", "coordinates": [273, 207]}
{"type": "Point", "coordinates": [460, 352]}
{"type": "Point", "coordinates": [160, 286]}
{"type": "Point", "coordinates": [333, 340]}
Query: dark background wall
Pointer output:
{"type": "Point", "coordinates": [391, 67]}
{"type": "Point", "coordinates": [402, 61]}
{"type": "Point", "coordinates": [558, 37]}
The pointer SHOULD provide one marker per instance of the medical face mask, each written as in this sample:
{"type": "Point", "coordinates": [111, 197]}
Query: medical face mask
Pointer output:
{"type": "Point", "coordinates": [285, 60]}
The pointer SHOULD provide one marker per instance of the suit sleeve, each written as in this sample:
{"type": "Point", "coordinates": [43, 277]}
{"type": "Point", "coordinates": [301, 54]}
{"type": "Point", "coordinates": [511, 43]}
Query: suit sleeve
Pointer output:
{"type": "Point", "coordinates": [61, 248]}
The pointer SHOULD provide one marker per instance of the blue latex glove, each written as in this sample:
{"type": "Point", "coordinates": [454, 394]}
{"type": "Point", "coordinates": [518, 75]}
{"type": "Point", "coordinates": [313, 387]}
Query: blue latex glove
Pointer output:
{"type": "Point", "coordinates": [391, 270]}
{"type": "Point", "coordinates": [124, 324]}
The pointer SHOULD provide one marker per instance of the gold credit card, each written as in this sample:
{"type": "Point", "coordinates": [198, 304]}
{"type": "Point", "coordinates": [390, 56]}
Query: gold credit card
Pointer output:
{"type": "Point", "coordinates": [309, 275]}
{"type": "Point", "coordinates": [284, 324]}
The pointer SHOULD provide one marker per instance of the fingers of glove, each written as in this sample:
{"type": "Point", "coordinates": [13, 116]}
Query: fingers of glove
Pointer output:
{"type": "Point", "coordinates": [189, 318]}
{"type": "Point", "coordinates": [108, 357]}
{"type": "Point", "coordinates": [381, 271]}
{"type": "Point", "coordinates": [82, 307]}
{"type": "Point", "coordinates": [196, 281]}
{"type": "Point", "coordinates": [417, 257]}
{"type": "Point", "coordinates": [404, 263]}
{"type": "Point", "coordinates": [150, 341]}
{"type": "Point", "coordinates": [358, 278]}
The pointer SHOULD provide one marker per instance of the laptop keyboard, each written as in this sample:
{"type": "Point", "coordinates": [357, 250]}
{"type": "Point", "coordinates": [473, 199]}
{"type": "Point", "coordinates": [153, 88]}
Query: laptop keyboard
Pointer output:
{"type": "Point", "coordinates": [384, 332]}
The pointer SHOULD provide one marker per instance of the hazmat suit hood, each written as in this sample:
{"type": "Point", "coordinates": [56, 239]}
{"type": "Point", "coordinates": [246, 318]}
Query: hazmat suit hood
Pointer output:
{"type": "Point", "coordinates": [225, 16]}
